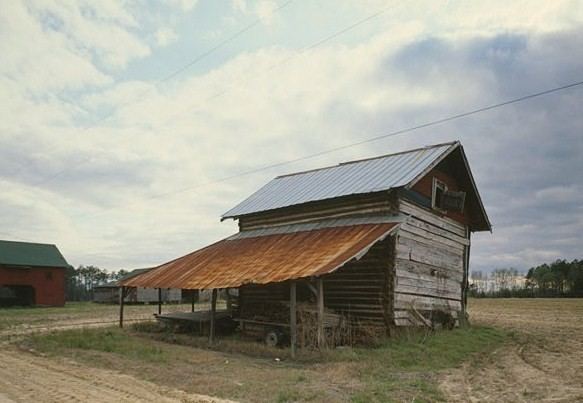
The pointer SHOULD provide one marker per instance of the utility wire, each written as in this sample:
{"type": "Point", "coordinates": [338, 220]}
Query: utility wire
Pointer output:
{"type": "Point", "coordinates": [285, 60]}
{"type": "Point", "coordinates": [219, 45]}
{"type": "Point", "coordinates": [371, 139]}
{"type": "Point", "coordinates": [226, 90]}
{"type": "Point", "coordinates": [164, 79]}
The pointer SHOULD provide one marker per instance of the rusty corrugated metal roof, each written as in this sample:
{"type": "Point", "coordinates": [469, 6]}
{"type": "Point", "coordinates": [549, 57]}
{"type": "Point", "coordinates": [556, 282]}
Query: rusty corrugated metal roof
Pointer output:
{"type": "Point", "coordinates": [348, 178]}
{"type": "Point", "coordinates": [265, 259]}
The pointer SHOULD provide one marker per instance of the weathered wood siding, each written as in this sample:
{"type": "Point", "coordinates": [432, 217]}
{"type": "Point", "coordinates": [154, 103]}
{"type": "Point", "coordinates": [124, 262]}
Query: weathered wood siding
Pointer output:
{"type": "Point", "coordinates": [381, 203]}
{"type": "Point", "coordinates": [429, 264]}
{"type": "Point", "coordinates": [362, 288]}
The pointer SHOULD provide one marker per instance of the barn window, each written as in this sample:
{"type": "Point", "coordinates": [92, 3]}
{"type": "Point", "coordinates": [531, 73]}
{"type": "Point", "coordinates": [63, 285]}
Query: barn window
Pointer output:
{"type": "Point", "coordinates": [437, 196]}
{"type": "Point", "coordinates": [49, 275]}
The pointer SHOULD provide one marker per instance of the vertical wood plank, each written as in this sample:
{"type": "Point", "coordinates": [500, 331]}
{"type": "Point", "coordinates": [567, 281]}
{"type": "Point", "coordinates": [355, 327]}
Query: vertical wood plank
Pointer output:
{"type": "Point", "coordinates": [213, 310]}
{"type": "Point", "coordinates": [465, 281]}
{"type": "Point", "coordinates": [159, 301]}
{"type": "Point", "coordinates": [229, 301]}
{"type": "Point", "coordinates": [293, 319]}
{"type": "Point", "coordinates": [192, 294]}
{"type": "Point", "coordinates": [121, 300]}
{"type": "Point", "coordinates": [321, 336]}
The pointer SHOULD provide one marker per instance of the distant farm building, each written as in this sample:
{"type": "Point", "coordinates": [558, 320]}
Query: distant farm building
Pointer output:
{"type": "Point", "coordinates": [382, 242]}
{"type": "Point", "coordinates": [31, 274]}
{"type": "Point", "coordinates": [109, 292]}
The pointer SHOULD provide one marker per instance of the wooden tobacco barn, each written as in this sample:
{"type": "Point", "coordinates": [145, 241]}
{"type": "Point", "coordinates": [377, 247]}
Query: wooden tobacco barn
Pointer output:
{"type": "Point", "coordinates": [381, 242]}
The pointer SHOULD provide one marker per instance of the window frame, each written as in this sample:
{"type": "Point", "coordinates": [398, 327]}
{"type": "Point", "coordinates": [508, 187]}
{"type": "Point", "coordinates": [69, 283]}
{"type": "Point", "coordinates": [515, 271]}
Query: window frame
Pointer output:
{"type": "Point", "coordinates": [437, 184]}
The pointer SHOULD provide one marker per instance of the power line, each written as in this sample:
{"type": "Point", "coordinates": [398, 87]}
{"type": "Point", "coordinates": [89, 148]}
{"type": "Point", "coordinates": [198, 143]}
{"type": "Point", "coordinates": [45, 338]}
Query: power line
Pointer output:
{"type": "Point", "coordinates": [373, 139]}
{"type": "Point", "coordinates": [226, 90]}
{"type": "Point", "coordinates": [287, 59]}
{"type": "Point", "coordinates": [164, 79]}
{"type": "Point", "coordinates": [376, 138]}
{"type": "Point", "coordinates": [219, 45]}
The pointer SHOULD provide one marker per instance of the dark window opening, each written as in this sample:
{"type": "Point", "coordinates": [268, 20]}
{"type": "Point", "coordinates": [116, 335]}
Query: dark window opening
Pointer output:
{"type": "Point", "coordinates": [439, 190]}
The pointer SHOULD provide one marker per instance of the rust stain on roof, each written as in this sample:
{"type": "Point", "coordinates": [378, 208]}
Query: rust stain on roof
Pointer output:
{"type": "Point", "coordinates": [265, 259]}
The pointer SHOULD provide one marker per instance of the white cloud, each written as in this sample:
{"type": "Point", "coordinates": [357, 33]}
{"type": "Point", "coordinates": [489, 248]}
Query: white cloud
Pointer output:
{"type": "Point", "coordinates": [239, 6]}
{"type": "Point", "coordinates": [260, 107]}
{"type": "Point", "coordinates": [165, 36]}
{"type": "Point", "coordinates": [265, 11]}
{"type": "Point", "coordinates": [185, 5]}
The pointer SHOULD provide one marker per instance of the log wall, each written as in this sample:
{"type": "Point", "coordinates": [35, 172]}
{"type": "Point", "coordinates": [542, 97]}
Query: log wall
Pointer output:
{"type": "Point", "coordinates": [362, 288]}
{"type": "Point", "coordinates": [380, 203]}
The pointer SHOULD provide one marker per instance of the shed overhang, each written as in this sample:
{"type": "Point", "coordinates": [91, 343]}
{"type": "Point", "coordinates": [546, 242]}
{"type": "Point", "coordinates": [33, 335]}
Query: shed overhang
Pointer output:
{"type": "Point", "coordinates": [233, 262]}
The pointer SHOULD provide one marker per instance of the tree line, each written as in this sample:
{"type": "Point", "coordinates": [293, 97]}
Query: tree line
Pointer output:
{"type": "Point", "coordinates": [560, 278]}
{"type": "Point", "coordinates": [80, 281]}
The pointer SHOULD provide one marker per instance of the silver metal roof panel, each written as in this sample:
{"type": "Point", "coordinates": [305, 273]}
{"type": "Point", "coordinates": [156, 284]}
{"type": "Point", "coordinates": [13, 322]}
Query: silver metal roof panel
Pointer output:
{"type": "Point", "coordinates": [350, 178]}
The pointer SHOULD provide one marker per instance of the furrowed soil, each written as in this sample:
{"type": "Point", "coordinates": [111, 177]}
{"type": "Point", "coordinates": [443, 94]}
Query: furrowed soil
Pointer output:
{"type": "Point", "coordinates": [544, 364]}
{"type": "Point", "coordinates": [518, 350]}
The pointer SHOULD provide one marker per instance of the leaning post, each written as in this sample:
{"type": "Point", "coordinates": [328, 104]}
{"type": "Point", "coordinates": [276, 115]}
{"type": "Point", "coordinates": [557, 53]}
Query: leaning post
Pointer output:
{"type": "Point", "coordinates": [321, 335]}
{"type": "Point", "coordinates": [292, 318]}
{"type": "Point", "coordinates": [159, 301]}
{"type": "Point", "coordinates": [121, 299]}
{"type": "Point", "coordinates": [213, 310]}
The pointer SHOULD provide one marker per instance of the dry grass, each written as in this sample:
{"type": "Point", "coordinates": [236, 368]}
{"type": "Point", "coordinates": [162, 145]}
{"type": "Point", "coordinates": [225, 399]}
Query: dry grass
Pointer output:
{"type": "Point", "coordinates": [404, 369]}
{"type": "Point", "coordinates": [544, 364]}
{"type": "Point", "coordinates": [517, 350]}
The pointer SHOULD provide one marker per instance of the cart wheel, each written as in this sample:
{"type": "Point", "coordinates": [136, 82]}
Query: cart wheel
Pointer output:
{"type": "Point", "coordinates": [273, 338]}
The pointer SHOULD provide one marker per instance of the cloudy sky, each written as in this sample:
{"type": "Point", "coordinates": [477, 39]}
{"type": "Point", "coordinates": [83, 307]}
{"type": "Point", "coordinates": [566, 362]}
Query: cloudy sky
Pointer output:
{"type": "Point", "coordinates": [115, 116]}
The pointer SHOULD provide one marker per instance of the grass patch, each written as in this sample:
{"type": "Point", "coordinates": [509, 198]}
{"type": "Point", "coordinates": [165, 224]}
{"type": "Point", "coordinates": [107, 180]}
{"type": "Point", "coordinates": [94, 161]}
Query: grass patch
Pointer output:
{"type": "Point", "coordinates": [108, 340]}
{"type": "Point", "coordinates": [405, 368]}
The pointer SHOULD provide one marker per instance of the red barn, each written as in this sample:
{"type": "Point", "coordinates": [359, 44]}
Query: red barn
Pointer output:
{"type": "Point", "coordinates": [31, 274]}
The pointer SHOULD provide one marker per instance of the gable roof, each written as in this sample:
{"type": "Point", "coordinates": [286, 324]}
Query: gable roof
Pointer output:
{"type": "Point", "coordinates": [349, 178]}
{"type": "Point", "coordinates": [30, 254]}
{"type": "Point", "coordinates": [400, 170]}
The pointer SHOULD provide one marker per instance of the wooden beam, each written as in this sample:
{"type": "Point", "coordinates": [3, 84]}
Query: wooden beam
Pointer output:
{"type": "Point", "coordinates": [229, 301]}
{"type": "Point", "coordinates": [159, 301]}
{"type": "Point", "coordinates": [213, 310]}
{"type": "Point", "coordinates": [293, 319]}
{"type": "Point", "coordinates": [311, 288]}
{"type": "Point", "coordinates": [192, 294]}
{"type": "Point", "coordinates": [121, 299]}
{"type": "Point", "coordinates": [321, 335]}
{"type": "Point", "coordinates": [465, 281]}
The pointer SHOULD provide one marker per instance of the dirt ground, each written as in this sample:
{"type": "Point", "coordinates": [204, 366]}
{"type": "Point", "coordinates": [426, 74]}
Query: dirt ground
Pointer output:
{"type": "Point", "coordinates": [545, 364]}
{"type": "Point", "coordinates": [26, 377]}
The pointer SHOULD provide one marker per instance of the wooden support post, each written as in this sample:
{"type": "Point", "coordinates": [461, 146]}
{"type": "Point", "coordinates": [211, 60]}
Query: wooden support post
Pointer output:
{"type": "Point", "coordinates": [192, 294]}
{"type": "Point", "coordinates": [121, 299]}
{"type": "Point", "coordinates": [213, 310]}
{"type": "Point", "coordinates": [229, 302]}
{"type": "Point", "coordinates": [159, 301]}
{"type": "Point", "coordinates": [292, 318]}
{"type": "Point", "coordinates": [321, 335]}
{"type": "Point", "coordinates": [465, 280]}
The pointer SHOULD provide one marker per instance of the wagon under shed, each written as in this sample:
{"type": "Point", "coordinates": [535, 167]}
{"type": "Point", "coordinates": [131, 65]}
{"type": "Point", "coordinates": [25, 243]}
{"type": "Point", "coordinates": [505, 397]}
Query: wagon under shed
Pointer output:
{"type": "Point", "coordinates": [378, 243]}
